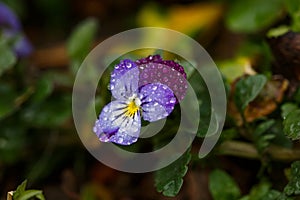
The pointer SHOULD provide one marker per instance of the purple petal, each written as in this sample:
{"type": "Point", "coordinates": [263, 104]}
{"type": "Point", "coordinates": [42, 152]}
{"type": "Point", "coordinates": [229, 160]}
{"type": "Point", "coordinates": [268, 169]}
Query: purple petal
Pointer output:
{"type": "Point", "coordinates": [124, 80]}
{"type": "Point", "coordinates": [154, 69]}
{"type": "Point", "coordinates": [114, 126]}
{"type": "Point", "coordinates": [8, 18]}
{"type": "Point", "coordinates": [158, 101]}
{"type": "Point", "coordinates": [23, 47]}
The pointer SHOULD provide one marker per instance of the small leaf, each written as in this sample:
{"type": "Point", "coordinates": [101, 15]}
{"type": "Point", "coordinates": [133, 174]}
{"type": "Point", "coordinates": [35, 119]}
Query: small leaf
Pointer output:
{"type": "Point", "coordinates": [81, 40]}
{"type": "Point", "coordinates": [247, 89]}
{"type": "Point", "coordinates": [22, 194]}
{"type": "Point", "coordinates": [275, 195]}
{"type": "Point", "coordinates": [169, 180]}
{"type": "Point", "coordinates": [263, 127]}
{"type": "Point", "coordinates": [249, 16]}
{"type": "Point", "coordinates": [293, 187]}
{"type": "Point", "coordinates": [44, 87]}
{"type": "Point", "coordinates": [287, 108]}
{"type": "Point", "coordinates": [262, 140]}
{"type": "Point", "coordinates": [20, 189]}
{"type": "Point", "coordinates": [280, 138]}
{"type": "Point", "coordinates": [40, 196]}
{"type": "Point", "coordinates": [259, 191]}
{"type": "Point", "coordinates": [222, 186]}
{"type": "Point", "coordinates": [293, 7]}
{"type": "Point", "coordinates": [7, 57]}
{"type": "Point", "coordinates": [30, 194]}
{"type": "Point", "coordinates": [278, 31]}
{"type": "Point", "coordinates": [291, 125]}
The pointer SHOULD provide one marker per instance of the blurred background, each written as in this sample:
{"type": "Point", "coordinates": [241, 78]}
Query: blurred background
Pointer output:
{"type": "Point", "coordinates": [42, 46]}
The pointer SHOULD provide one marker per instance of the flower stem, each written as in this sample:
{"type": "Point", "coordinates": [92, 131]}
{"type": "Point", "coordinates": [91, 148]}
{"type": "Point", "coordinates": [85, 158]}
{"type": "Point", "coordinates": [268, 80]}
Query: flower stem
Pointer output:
{"type": "Point", "coordinates": [247, 150]}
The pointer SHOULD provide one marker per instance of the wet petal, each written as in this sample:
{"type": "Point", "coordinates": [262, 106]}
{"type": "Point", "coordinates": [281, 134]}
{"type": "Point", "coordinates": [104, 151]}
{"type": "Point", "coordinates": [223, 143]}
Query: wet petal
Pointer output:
{"type": "Point", "coordinates": [158, 101]}
{"type": "Point", "coordinates": [124, 80]}
{"type": "Point", "coordinates": [154, 69]}
{"type": "Point", "coordinates": [114, 126]}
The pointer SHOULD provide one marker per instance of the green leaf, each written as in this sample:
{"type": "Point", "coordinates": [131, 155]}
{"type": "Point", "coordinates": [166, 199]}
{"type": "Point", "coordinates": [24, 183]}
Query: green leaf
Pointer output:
{"type": "Point", "coordinates": [263, 127]}
{"type": "Point", "coordinates": [44, 87]}
{"type": "Point", "coordinates": [203, 97]}
{"type": "Point", "coordinates": [249, 16]}
{"type": "Point", "coordinates": [168, 180]}
{"type": "Point", "coordinates": [26, 195]}
{"type": "Point", "coordinates": [20, 189]}
{"type": "Point", "coordinates": [275, 195]}
{"type": "Point", "coordinates": [80, 41]}
{"type": "Point", "coordinates": [287, 108]}
{"type": "Point", "coordinates": [278, 31]}
{"type": "Point", "coordinates": [293, 187]}
{"type": "Point", "coordinates": [247, 89]}
{"type": "Point", "coordinates": [262, 140]}
{"type": "Point", "coordinates": [291, 125]}
{"type": "Point", "coordinates": [293, 8]}
{"type": "Point", "coordinates": [22, 194]}
{"type": "Point", "coordinates": [40, 196]}
{"type": "Point", "coordinates": [259, 191]}
{"type": "Point", "coordinates": [280, 138]}
{"type": "Point", "coordinates": [7, 57]}
{"type": "Point", "coordinates": [222, 186]}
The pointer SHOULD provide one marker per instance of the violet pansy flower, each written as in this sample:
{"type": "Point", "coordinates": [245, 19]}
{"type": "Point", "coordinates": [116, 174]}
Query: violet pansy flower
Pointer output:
{"type": "Point", "coordinates": [10, 28]}
{"type": "Point", "coordinates": [148, 88]}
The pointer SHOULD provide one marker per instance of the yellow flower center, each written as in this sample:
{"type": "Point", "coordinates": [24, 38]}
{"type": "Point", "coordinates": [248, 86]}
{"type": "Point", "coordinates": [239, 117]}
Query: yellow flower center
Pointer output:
{"type": "Point", "coordinates": [132, 107]}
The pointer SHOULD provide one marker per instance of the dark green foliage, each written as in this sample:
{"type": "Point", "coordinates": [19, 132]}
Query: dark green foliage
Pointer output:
{"type": "Point", "coordinates": [247, 89]}
{"type": "Point", "coordinates": [222, 186]}
{"type": "Point", "coordinates": [293, 187]}
{"type": "Point", "coordinates": [7, 58]}
{"type": "Point", "coordinates": [292, 125]}
{"type": "Point", "coordinates": [169, 180]}
{"type": "Point", "coordinates": [261, 136]}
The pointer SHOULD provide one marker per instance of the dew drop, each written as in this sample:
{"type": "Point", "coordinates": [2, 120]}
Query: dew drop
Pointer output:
{"type": "Point", "coordinates": [110, 86]}
{"type": "Point", "coordinates": [173, 100]}
{"type": "Point", "coordinates": [165, 70]}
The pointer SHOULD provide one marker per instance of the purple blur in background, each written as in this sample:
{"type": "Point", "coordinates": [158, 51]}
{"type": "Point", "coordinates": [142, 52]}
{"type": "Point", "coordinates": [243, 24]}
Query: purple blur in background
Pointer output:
{"type": "Point", "coordinates": [10, 28]}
